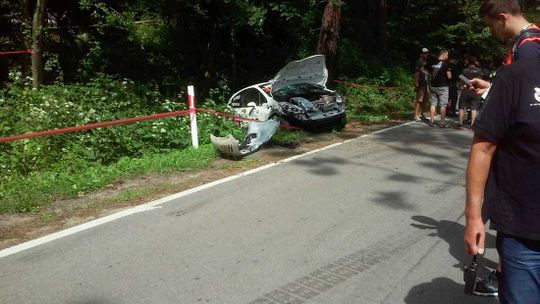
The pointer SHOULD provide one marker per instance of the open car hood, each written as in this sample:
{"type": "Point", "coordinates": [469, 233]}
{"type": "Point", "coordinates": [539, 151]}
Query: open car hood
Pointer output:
{"type": "Point", "coordinates": [308, 70]}
{"type": "Point", "coordinates": [258, 133]}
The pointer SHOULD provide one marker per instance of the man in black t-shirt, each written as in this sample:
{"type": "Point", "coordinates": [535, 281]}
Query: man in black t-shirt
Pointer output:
{"type": "Point", "coordinates": [439, 90]}
{"type": "Point", "coordinates": [467, 98]}
{"type": "Point", "coordinates": [503, 179]}
{"type": "Point", "coordinates": [506, 22]}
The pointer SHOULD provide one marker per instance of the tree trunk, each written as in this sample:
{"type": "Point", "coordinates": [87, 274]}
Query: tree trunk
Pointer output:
{"type": "Point", "coordinates": [382, 25]}
{"type": "Point", "coordinates": [329, 34]}
{"type": "Point", "coordinates": [37, 38]}
{"type": "Point", "coordinates": [207, 67]}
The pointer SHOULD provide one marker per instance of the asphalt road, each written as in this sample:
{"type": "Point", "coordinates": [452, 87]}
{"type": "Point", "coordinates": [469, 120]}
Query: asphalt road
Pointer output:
{"type": "Point", "coordinates": [378, 219]}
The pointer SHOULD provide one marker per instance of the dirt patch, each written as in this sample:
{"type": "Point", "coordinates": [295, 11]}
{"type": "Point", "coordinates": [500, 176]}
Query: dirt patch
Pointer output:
{"type": "Point", "coordinates": [16, 228]}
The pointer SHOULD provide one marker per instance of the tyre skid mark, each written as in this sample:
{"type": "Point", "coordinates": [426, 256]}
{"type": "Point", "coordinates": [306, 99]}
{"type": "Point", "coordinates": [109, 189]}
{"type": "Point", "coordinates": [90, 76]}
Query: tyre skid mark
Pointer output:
{"type": "Point", "coordinates": [328, 276]}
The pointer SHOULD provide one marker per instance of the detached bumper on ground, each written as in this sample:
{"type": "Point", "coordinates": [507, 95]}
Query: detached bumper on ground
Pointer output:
{"type": "Point", "coordinates": [258, 133]}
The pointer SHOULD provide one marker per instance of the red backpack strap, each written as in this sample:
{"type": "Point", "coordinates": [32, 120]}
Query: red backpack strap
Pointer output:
{"type": "Point", "coordinates": [509, 58]}
{"type": "Point", "coordinates": [529, 40]}
{"type": "Point", "coordinates": [530, 36]}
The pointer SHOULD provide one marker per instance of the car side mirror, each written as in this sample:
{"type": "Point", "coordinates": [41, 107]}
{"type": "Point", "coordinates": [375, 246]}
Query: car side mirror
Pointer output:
{"type": "Point", "coordinates": [251, 104]}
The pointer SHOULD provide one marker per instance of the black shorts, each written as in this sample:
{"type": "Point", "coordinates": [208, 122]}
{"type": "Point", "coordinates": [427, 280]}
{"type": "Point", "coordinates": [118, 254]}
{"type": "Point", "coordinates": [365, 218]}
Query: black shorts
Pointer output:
{"type": "Point", "coordinates": [469, 100]}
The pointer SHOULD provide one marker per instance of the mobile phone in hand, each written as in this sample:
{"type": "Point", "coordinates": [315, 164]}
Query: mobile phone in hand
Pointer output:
{"type": "Point", "coordinates": [465, 80]}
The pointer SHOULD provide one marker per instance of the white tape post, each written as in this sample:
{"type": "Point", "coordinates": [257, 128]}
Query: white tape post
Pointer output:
{"type": "Point", "coordinates": [193, 117]}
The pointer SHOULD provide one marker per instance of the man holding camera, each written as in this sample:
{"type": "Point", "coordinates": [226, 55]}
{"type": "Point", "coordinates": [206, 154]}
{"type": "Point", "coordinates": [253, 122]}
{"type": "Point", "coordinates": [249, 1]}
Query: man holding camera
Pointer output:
{"type": "Point", "coordinates": [503, 174]}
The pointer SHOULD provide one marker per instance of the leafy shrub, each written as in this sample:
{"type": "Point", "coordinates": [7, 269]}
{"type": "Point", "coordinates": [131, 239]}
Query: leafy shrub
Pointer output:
{"type": "Point", "coordinates": [102, 99]}
{"type": "Point", "coordinates": [372, 101]}
{"type": "Point", "coordinates": [36, 171]}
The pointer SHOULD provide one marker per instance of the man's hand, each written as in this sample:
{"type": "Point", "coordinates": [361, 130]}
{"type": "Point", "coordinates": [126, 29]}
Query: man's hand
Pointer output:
{"type": "Point", "coordinates": [478, 168]}
{"type": "Point", "coordinates": [479, 86]}
{"type": "Point", "coordinates": [475, 236]}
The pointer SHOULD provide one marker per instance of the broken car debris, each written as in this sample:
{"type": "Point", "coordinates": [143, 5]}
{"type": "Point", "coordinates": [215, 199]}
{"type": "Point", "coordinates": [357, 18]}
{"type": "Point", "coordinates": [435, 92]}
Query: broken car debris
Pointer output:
{"type": "Point", "coordinates": [297, 94]}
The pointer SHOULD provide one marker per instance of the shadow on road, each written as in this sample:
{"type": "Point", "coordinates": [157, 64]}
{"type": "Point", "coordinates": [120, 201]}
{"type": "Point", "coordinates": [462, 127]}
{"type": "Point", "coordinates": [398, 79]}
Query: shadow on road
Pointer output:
{"type": "Point", "coordinates": [409, 140]}
{"type": "Point", "coordinates": [452, 233]}
{"type": "Point", "coordinates": [443, 291]}
{"type": "Point", "coordinates": [412, 140]}
{"type": "Point", "coordinates": [393, 200]}
{"type": "Point", "coordinates": [323, 165]}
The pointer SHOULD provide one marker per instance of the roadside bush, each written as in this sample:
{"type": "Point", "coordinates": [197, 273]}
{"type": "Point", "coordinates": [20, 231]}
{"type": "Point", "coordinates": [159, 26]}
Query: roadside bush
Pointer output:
{"type": "Point", "coordinates": [36, 171]}
{"type": "Point", "coordinates": [362, 102]}
{"type": "Point", "coordinates": [102, 99]}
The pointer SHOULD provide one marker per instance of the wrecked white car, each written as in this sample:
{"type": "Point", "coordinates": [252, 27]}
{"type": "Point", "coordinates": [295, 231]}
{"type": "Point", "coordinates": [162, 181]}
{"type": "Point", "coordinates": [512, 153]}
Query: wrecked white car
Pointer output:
{"type": "Point", "coordinates": [297, 94]}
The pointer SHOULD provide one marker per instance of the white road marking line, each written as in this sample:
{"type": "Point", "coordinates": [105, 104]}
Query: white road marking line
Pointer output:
{"type": "Point", "coordinates": [155, 204]}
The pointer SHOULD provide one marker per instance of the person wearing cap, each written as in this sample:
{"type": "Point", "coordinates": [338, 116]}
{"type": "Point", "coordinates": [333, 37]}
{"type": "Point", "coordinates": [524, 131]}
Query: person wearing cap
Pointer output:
{"type": "Point", "coordinates": [420, 83]}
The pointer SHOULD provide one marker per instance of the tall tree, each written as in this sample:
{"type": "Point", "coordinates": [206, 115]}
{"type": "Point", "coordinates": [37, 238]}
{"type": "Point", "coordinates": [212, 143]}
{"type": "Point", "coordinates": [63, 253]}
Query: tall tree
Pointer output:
{"type": "Point", "coordinates": [329, 34]}
{"type": "Point", "coordinates": [382, 25]}
{"type": "Point", "coordinates": [37, 42]}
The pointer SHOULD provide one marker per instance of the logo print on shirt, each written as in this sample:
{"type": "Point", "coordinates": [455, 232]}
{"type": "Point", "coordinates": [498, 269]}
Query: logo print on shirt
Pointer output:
{"type": "Point", "coordinates": [537, 94]}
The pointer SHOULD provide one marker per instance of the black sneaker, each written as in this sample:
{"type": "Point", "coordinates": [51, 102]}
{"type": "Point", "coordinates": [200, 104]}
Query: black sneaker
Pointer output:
{"type": "Point", "coordinates": [487, 287]}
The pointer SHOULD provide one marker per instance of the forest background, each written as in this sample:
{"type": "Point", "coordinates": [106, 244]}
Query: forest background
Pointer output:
{"type": "Point", "coordinates": [104, 60]}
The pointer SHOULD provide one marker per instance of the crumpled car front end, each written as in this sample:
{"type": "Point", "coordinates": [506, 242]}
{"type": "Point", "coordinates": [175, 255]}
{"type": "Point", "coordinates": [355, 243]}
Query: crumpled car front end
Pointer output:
{"type": "Point", "coordinates": [311, 106]}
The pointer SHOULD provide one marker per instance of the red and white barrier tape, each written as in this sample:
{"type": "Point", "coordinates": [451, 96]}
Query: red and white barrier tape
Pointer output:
{"type": "Point", "coordinates": [92, 126]}
{"type": "Point", "coordinates": [29, 51]}
{"type": "Point", "coordinates": [128, 121]}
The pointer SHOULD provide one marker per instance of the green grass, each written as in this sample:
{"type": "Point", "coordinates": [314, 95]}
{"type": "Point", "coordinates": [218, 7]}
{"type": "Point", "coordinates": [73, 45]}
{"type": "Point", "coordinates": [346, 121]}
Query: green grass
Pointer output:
{"type": "Point", "coordinates": [130, 194]}
{"type": "Point", "coordinates": [31, 193]}
{"type": "Point", "coordinates": [369, 117]}
{"type": "Point", "coordinates": [48, 217]}
{"type": "Point", "coordinates": [285, 137]}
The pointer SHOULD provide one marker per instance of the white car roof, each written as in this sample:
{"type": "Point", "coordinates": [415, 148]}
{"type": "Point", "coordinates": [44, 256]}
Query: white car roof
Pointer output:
{"type": "Point", "coordinates": [258, 86]}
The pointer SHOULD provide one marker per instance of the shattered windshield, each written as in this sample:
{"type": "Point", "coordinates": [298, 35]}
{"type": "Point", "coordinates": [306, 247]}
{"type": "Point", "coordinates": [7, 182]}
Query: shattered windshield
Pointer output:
{"type": "Point", "coordinates": [305, 90]}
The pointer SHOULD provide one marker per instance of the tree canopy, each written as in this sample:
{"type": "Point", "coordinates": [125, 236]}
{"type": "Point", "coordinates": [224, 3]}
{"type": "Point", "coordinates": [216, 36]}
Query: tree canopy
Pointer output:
{"type": "Point", "coordinates": [233, 42]}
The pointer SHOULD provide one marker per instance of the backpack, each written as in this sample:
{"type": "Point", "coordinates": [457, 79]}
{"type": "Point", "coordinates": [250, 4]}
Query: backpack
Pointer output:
{"type": "Point", "coordinates": [531, 34]}
{"type": "Point", "coordinates": [434, 71]}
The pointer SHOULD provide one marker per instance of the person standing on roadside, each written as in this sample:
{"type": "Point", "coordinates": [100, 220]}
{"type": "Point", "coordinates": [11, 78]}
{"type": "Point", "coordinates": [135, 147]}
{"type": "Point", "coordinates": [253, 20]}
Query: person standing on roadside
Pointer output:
{"type": "Point", "coordinates": [420, 84]}
{"type": "Point", "coordinates": [503, 178]}
{"type": "Point", "coordinates": [506, 21]}
{"type": "Point", "coordinates": [441, 74]}
{"type": "Point", "coordinates": [469, 99]}
{"type": "Point", "coordinates": [453, 94]}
